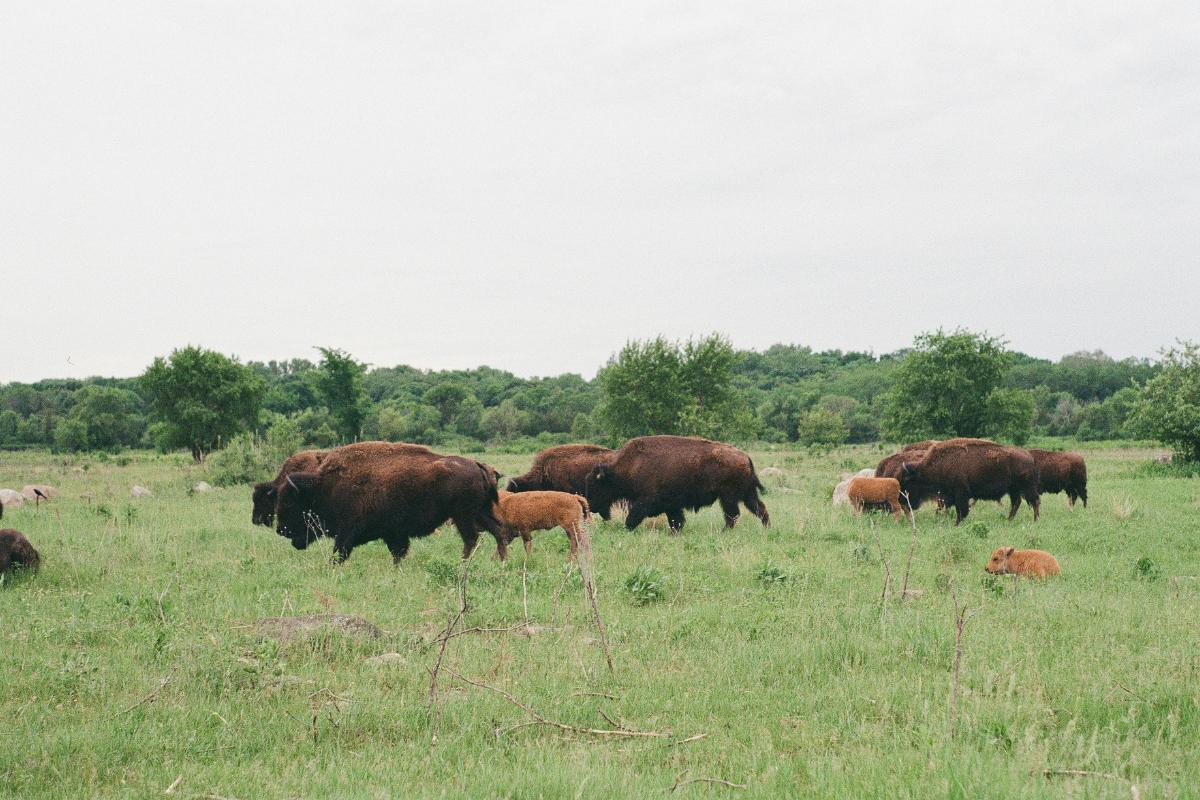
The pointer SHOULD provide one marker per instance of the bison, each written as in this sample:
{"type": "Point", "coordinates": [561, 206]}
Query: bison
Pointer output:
{"type": "Point", "coordinates": [524, 512]}
{"type": "Point", "coordinates": [873, 492]}
{"type": "Point", "coordinates": [564, 468]}
{"type": "Point", "coordinates": [395, 492]}
{"type": "Point", "coordinates": [1061, 472]}
{"type": "Point", "coordinates": [267, 492]}
{"type": "Point", "coordinates": [666, 474]}
{"type": "Point", "coordinates": [1034, 563]}
{"type": "Point", "coordinates": [892, 467]}
{"type": "Point", "coordinates": [16, 551]}
{"type": "Point", "coordinates": [961, 470]}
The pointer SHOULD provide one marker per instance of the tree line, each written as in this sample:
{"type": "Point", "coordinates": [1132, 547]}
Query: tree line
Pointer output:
{"type": "Point", "coordinates": [948, 383]}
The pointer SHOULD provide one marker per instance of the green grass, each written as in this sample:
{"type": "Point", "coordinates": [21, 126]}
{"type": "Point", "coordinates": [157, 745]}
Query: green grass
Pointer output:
{"type": "Point", "coordinates": [771, 642]}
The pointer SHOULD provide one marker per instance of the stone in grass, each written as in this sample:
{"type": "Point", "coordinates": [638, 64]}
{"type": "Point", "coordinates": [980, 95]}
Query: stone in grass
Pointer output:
{"type": "Point", "coordinates": [11, 498]}
{"type": "Point", "coordinates": [30, 492]}
{"type": "Point", "coordinates": [383, 659]}
{"type": "Point", "coordinates": [140, 491]}
{"type": "Point", "coordinates": [286, 629]}
{"type": "Point", "coordinates": [202, 486]}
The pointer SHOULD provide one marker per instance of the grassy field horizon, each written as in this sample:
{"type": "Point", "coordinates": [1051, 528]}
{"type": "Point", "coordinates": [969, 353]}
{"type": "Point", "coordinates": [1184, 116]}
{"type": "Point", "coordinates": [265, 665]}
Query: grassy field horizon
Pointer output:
{"type": "Point", "coordinates": [772, 660]}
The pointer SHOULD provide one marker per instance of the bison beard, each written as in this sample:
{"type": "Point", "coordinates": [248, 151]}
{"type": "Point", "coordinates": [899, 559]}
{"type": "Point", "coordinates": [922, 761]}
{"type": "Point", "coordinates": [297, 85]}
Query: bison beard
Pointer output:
{"type": "Point", "coordinates": [376, 490]}
{"type": "Point", "coordinates": [961, 470]}
{"type": "Point", "coordinates": [564, 468]}
{"type": "Point", "coordinates": [667, 474]}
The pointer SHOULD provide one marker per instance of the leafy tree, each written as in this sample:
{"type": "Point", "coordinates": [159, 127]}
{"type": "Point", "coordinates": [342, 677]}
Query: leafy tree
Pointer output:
{"type": "Point", "coordinates": [1010, 415]}
{"type": "Point", "coordinates": [202, 397]}
{"type": "Point", "coordinates": [103, 416]}
{"type": "Point", "coordinates": [943, 385]}
{"type": "Point", "coordinates": [659, 386]}
{"type": "Point", "coordinates": [339, 384]}
{"type": "Point", "coordinates": [821, 426]}
{"type": "Point", "coordinates": [504, 422]}
{"type": "Point", "coordinates": [1168, 408]}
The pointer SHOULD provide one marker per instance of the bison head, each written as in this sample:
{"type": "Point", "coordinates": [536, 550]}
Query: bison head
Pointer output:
{"type": "Point", "coordinates": [264, 498]}
{"type": "Point", "coordinates": [602, 489]}
{"type": "Point", "coordinates": [514, 486]}
{"type": "Point", "coordinates": [293, 510]}
{"type": "Point", "coordinates": [998, 564]}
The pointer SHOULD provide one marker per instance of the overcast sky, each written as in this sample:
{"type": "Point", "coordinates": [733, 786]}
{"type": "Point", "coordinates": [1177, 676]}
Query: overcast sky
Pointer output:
{"type": "Point", "coordinates": [529, 185]}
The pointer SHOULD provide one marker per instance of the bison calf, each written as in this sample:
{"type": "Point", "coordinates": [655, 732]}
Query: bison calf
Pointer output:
{"type": "Point", "coordinates": [871, 491]}
{"type": "Point", "coordinates": [16, 551]}
{"type": "Point", "coordinates": [1033, 563]}
{"type": "Point", "coordinates": [525, 512]}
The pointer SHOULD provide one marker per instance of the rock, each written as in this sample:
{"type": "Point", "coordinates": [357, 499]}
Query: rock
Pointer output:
{"type": "Point", "coordinates": [529, 631]}
{"type": "Point", "coordinates": [841, 493]}
{"type": "Point", "coordinates": [383, 659]}
{"type": "Point", "coordinates": [30, 492]}
{"type": "Point", "coordinates": [140, 491]}
{"type": "Point", "coordinates": [11, 498]}
{"type": "Point", "coordinates": [868, 472]}
{"type": "Point", "coordinates": [288, 628]}
{"type": "Point", "coordinates": [1165, 458]}
{"type": "Point", "coordinates": [771, 472]}
{"type": "Point", "coordinates": [202, 486]}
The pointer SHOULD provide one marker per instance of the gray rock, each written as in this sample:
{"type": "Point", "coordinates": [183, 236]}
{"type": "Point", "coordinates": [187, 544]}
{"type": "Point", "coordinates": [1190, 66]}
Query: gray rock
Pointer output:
{"type": "Point", "coordinates": [140, 491]}
{"type": "Point", "coordinates": [288, 628]}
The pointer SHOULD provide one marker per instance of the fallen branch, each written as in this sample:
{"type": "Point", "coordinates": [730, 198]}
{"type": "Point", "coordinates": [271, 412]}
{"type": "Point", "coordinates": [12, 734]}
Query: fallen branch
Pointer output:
{"type": "Point", "coordinates": [585, 568]}
{"type": "Point", "coordinates": [538, 719]}
{"type": "Point", "coordinates": [162, 682]}
{"type": "Point", "coordinates": [1078, 773]}
{"type": "Point", "coordinates": [680, 782]}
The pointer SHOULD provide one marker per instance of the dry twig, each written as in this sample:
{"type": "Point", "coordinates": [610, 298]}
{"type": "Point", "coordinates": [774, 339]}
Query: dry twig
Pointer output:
{"type": "Point", "coordinates": [680, 782]}
{"type": "Point", "coordinates": [960, 622]}
{"type": "Point", "coordinates": [463, 606]}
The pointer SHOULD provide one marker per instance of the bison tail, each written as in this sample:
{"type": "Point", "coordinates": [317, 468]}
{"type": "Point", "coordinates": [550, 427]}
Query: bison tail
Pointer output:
{"type": "Point", "coordinates": [754, 474]}
{"type": "Point", "coordinates": [583, 504]}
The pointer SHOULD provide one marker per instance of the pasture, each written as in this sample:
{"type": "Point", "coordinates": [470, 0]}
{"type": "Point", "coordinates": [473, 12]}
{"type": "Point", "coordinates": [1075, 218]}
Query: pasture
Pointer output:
{"type": "Point", "coordinates": [130, 664]}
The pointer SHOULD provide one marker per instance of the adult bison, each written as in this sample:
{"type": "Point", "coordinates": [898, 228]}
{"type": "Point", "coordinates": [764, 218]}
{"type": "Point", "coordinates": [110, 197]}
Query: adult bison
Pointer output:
{"type": "Point", "coordinates": [1061, 472]}
{"type": "Point", "coordinates": [666, 474]}
{"type": "Point", "coordinates": [395, 492]}
{"type": "Point", "coordinates": [564, 468]}
{"type": "Point", "coordinates": [961, 470]}
{"type": "Point", "coordinates": [267, 492]}
{"type": "Point", "coordinates": [893, 467]}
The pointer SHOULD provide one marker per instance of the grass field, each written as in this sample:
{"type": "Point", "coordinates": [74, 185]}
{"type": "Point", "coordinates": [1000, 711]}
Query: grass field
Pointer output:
{"type": "Point", "coordinates": [129, 664]}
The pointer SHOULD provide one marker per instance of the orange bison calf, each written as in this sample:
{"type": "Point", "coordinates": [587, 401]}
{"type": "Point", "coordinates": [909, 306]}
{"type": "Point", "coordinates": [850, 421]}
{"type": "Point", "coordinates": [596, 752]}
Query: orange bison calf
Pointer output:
{"type": "Point", "coordinates": [16, 551]}
{"type": "Point", "coordinates": [1034, 563]}
{"type": "Point", "coordinates": [522, 513]}
{"type": "Point", "coordinates": [870, 491]}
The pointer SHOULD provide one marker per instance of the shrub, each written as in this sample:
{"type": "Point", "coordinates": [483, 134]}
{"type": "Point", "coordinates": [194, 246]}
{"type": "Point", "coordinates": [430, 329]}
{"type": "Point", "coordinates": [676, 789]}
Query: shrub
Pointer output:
{"type": "Point", "coordinates": [1146, 569]}
{"type": "Point", "coordinates": [646, 586]}
{"type": "Point", "coordinates": [770, 574]}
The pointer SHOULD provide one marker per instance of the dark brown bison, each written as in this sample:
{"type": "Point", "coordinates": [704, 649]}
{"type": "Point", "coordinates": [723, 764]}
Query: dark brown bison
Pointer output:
{"type": "Point", "coordinates": [16, 551]}
{"type": "Point", "coordinates": [564, 468]}
{"type": "Point", "coordinates": [961, 470]}
{"type": "Point", "coordinates": [892, 467]}
{"type": "Point", "coordinates": [267, 492]}
{"type": "Point", "coordinates": [1062, 472]}
{"type": "Point", "coordinates": [666, 474]}
{"type": "Point", "coordinates": [395, 492]}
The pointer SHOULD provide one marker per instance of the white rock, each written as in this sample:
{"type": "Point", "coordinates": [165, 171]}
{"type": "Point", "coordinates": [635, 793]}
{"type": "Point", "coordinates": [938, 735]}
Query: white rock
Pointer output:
{"type": "Point", "coordinates": [869, 472]}
{"type": "Point", "coordinates": [771, 472]}
{"type": "Point", "coordinates": [11, 498]}
{"type": "Point", "coordinates": [202, 486]}
{"type": "Point", "coordinates": [841, 493]}
{"type": "Point", "coordinates": [384, 659]}
{"type": "Point", "coordinates": [140, 491]}
{"type": "Point", "coordinates": [46, 490]}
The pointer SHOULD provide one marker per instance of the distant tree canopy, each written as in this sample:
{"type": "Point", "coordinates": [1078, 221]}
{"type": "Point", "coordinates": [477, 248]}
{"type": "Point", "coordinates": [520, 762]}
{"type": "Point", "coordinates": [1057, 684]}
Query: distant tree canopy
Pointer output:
{"type": "Point", "coordinates": [786, 393]}
{"type": "Point", "coordinates": [1168, 408]}
{"type": "Point", "coordinates": [201, 397]}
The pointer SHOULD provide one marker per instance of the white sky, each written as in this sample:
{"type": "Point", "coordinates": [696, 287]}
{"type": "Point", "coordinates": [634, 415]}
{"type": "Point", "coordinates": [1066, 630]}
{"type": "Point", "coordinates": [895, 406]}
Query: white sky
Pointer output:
{"type": "Point", "coordinates": [528, 185]}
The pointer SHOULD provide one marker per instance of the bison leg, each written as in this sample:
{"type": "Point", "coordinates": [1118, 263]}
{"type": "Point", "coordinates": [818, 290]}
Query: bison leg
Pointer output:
{"type": "Point", "coordinates": [1035, 502]}
{"type": "Point", "coordinates": [342, 546]}
{"type": "Point", "coordinates": [757, 507]}
{"type": "Point", "coordinates": [730, 509]}
{"type": "Point", "coordinates": [527, 540]}
{"type": "Point", "coordinates": [635, 515]}
{"type": "Point", "coordinates": [1083, 496]}
{"type": "Point", "coordinates": [675, 520]}
{"type": "Point", "coordinates": [573, 538]}
{"type": "Point", "coordinates": [962, 507]}
{"type": "Point", "coordinates": [897, 511]}
{"type": "Point", "coordinates": [1014, 499]}
{"type": "Point", "coordinates": [398, 547]}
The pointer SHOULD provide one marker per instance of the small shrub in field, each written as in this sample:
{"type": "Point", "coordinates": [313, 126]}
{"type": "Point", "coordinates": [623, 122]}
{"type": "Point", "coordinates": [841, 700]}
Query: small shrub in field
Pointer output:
{"type": "Point", "coordinates": [770, 574]}
{"type": "Point", "coordinates": [979, 530]}
{"type": "Point", "coordinates": [993, 584]}
{"type": "Point", "coordinates": [1123, 507]}
{"type": "Point", "coordinates": [442, 573]}
{"type": "Point", "coordinates": [941, 582]}
{"type": "Point", "coordinates": [103, 510]}
{"type": "Point", "coordinates": [860, 553]}
{"type": "Point", "coordinates": [130, 513]}
{"type": "Point", "coordinates": [958, 552]}
{"type": "Point", "coordinates": [646, 586]}
{"type": "Point", "coordinates": [1146, 569]}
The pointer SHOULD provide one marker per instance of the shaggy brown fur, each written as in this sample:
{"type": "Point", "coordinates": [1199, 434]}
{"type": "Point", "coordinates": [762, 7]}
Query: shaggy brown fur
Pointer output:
{"type": "Point", "coordinates": [1033, 563]}
{"type": "Point", "coordinates": [893, 467]}
{"type": "Point", "coordinates": [525, 512]}
{"type": "Point", "coordinates": [1061, 472]}
{"type": "Point", "coordinates": [564, 468]}
{"type": "Point", "coordinates": [267, 492]}
{"type": "Point", "coordinates": [875, 491]}
{"type": "Point", "coordinates": [666, 474]}
{"type": "Point", "coordinates": [965, 469]}
{"type": "Point", "coordinates": [395, 492]}
{"type": "Point", "coordinates": [16, 551]}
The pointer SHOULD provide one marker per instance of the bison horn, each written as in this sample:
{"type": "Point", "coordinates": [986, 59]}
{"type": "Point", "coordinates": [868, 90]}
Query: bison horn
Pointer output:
{"type": "Point", "coordinates": [292, 483]}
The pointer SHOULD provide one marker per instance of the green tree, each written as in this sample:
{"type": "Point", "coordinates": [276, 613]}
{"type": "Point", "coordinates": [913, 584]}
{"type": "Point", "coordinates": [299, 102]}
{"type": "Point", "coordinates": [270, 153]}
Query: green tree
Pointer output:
{"type": "Point", "coordinates": [339, 383]}
{"type": "Point", "coordinates": [942, 387]}
{"type": "Point", "coordinates": [202, 398]}
{"type": "Point", "coordinates": [821, 426]}
{"type": "Point", "coordinates": [1168, 408]}
{"type": "Point", "coordinates": [105, 415]}
{"type": "Point", "coordinates": [660, 386]}
{"type": "Point", "coordinates": [1010, 415]}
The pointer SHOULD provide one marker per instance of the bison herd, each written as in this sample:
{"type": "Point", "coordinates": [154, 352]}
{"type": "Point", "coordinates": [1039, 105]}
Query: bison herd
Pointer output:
{"type": "Point", "coordinates": [399, 492]}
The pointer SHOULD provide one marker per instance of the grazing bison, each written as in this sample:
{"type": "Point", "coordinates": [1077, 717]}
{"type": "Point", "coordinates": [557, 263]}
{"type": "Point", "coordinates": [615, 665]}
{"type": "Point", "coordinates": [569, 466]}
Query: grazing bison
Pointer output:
{"type": "Point", "coordinates": [893, 467]}
{"type": "Point", "coordinates": [525, 512]}
{"type": "Point", "coordinates": [1061, 472]}
{"type": "Point", "coordinates": [564, 468]}
{"type": "Point", "coordinates": [961, 470]}
{"type": "Point", "coordinates": [874, 492]}
{"type": "Point", "coordinates": [16, 551]}
{"type": "Point", "coordinates": [267, 492]}
{"type": "Point", "coordinates": [666, 474]}
{"type": "Point", "coordinates": [1034, 563]}
{"type": "Point", "coordinates": [395, 492]}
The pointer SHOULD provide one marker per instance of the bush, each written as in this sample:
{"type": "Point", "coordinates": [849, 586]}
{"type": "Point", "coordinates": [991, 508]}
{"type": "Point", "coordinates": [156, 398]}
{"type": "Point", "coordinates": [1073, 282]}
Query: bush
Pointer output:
{"type": "Point", "coordinates": [645, 586]}
{"type": "Point", "coordinates": [770, 574]}
{"type": "Point", "coordinates": [1146, 569]}
{"type": "Point", "coordinates": [248, 458]}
